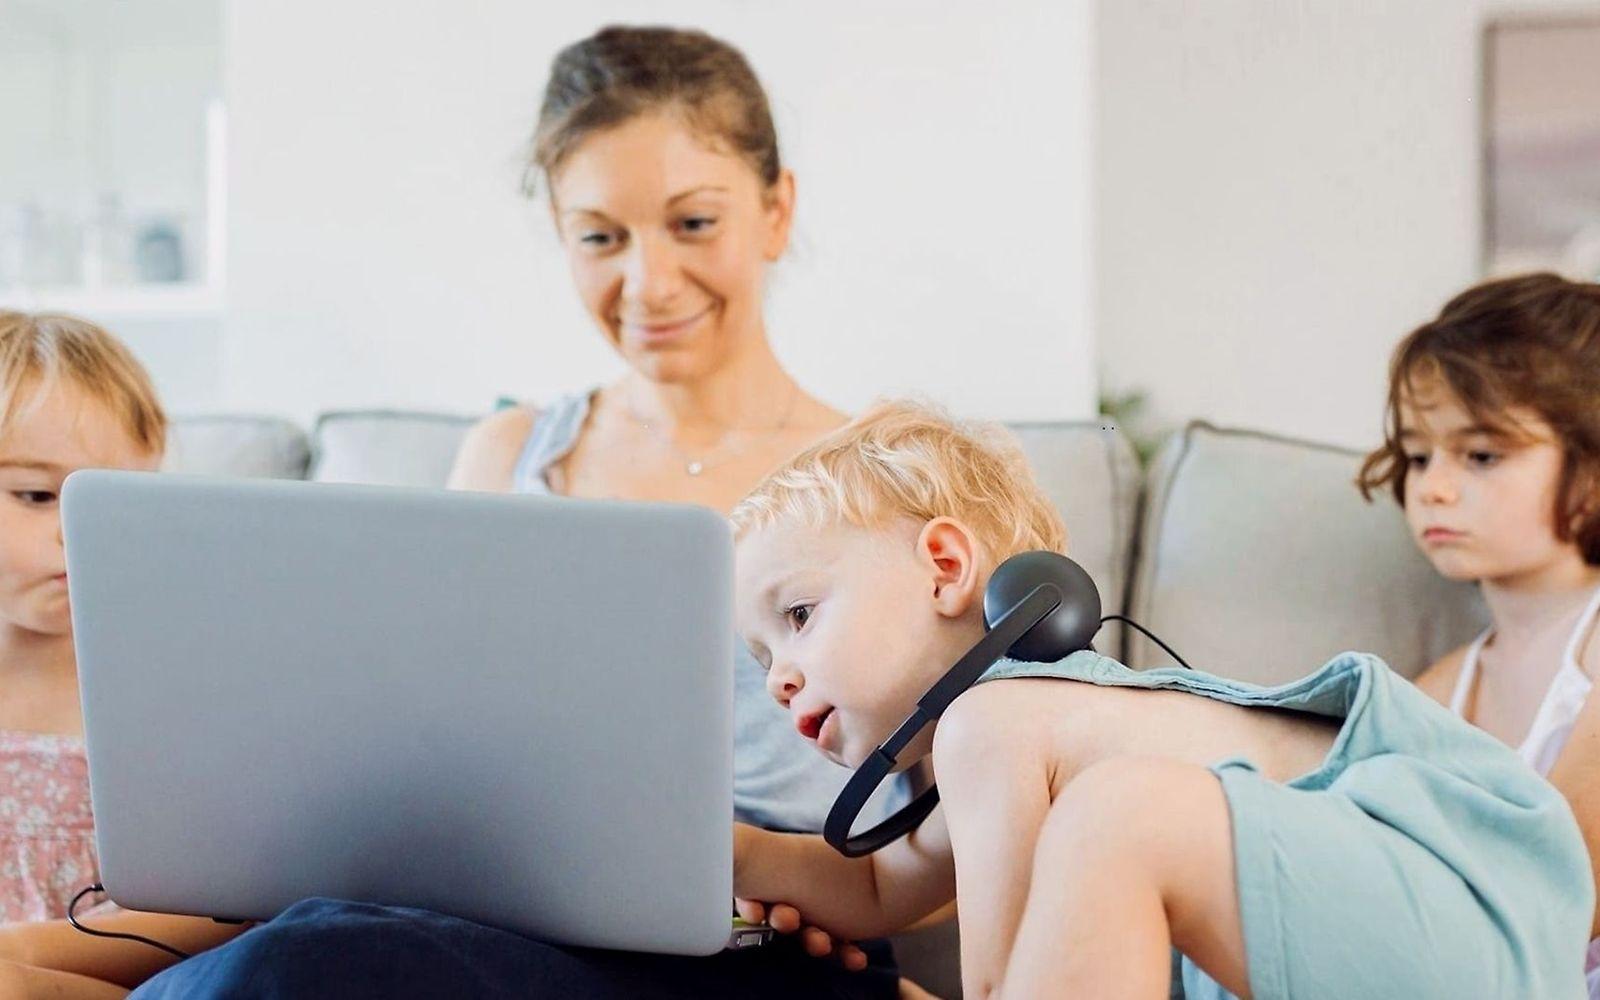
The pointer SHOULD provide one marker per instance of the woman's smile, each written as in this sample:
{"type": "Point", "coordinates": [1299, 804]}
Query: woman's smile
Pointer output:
{"type": "Point", "coordinates": [658, 333]}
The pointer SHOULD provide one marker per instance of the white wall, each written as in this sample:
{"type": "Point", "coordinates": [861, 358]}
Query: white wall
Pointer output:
{"type": "Point", "coordinates": [1282, 191]}
{"type": "Point", "coordinates": [101, 98]}
{"type": "Point", "coordinates": [379, 253]}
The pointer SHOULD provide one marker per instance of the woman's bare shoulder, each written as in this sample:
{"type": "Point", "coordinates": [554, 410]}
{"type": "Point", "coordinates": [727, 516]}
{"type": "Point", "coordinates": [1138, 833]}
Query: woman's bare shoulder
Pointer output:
{"type": "Point", "coordinates": [1439, 681]}
{"type": "Point", "coordinates": [488, 452]}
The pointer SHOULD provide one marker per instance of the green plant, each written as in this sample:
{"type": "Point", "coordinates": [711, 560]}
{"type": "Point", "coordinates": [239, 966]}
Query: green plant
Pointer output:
{"type": "Point", "coordinates": [1128, 411]}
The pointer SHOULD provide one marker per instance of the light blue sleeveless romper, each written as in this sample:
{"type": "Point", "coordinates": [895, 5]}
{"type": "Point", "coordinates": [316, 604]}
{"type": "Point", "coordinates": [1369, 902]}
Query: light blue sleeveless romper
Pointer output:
{"type": "Point", "coordinates": [779, 781]}
{"type": "Point", "coordinates": [1423, 859]}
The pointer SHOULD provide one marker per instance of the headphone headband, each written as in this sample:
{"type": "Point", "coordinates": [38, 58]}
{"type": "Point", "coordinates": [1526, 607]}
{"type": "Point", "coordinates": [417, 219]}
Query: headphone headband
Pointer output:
{"type": "Point", "coordinates": [1010, 629]}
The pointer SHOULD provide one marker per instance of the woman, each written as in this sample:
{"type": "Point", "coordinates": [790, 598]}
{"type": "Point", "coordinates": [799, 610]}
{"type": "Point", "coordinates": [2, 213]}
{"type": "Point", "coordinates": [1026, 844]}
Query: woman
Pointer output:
{"type": "Point", "coordinates": [668, 196]}
{"type": "Point", "coordinates": [661, 162]}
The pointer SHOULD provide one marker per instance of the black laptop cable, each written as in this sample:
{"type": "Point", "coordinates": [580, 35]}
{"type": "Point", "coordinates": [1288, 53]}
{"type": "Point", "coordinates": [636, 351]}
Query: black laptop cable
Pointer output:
{"type": "Point", "coordinates": [72, 918]}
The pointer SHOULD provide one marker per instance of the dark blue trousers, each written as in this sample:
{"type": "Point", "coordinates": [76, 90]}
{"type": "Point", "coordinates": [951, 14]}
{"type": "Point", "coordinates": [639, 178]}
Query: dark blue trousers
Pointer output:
{"type": "Point", "coordinates": [354, 951]}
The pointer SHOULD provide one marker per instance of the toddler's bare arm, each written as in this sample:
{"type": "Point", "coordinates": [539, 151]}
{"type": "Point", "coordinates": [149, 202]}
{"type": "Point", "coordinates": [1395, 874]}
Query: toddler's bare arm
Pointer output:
{"type": "Point", "coordinates": [852, 898]}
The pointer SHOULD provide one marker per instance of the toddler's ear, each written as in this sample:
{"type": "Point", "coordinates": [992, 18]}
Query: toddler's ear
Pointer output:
{"type": "Point", "coordinates": [949, 552]}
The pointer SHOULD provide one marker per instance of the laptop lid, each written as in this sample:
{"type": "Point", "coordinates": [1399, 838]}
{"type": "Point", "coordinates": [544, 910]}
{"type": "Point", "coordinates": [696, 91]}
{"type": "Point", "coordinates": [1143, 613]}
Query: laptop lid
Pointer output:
{"type": "Point", "coordinates": [513, 709]}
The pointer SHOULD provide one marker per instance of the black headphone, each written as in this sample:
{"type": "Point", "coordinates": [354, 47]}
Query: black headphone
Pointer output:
{"type": "Point", "coordinates": [1039, 607]}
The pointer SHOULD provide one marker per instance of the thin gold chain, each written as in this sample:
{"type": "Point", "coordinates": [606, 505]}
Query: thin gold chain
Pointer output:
{"type": "Point", "coordinates": [707, 461]}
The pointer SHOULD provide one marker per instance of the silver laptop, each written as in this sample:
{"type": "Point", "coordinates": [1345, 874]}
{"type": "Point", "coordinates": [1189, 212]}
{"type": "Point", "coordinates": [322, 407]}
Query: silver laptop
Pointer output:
{"type": "Point", "coordinates": [516, 710]}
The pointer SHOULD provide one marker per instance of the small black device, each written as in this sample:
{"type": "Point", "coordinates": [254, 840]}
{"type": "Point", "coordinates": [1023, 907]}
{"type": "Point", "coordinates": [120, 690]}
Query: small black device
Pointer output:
{"type": "Point", "coordinates": [748, 935]}
{"type": "Point", "coordinates": [1039, 607]}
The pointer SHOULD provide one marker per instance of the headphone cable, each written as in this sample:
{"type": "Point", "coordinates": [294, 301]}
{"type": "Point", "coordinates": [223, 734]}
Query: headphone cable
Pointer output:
{"type": "Point", "coordinates": [1148, 635]}
{"type": "Point", "coordinates": [72, 919]}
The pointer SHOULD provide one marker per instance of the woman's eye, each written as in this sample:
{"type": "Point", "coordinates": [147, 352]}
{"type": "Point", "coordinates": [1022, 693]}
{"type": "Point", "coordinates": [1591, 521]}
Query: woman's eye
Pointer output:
{"type": "Point", "coordinates": [798, 616]}
{"type": "Point", "coordinates": [1417, 461]}
{"type": "Point", "coordinates": [598, 240]}
{"type": "Point", "coordinates": [698, 224]}
{"type": "Point", "coordinates": [35, 498]}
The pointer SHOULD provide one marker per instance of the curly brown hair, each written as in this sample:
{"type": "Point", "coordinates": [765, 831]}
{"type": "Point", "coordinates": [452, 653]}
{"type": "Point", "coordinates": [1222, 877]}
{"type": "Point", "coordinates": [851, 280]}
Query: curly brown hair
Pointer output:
{"type": "Point", "coordinates": [621, 72]}
{"type": "Point", "coordinates": [1531, 342]}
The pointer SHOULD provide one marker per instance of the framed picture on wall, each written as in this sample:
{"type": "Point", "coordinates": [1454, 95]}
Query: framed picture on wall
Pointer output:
{"type": "Point", "coordinates": [1541, 159]}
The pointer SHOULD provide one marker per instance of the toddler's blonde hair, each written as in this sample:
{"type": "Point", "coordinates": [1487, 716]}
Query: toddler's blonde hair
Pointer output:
{"type": "Point", "coordinates": [909, 459]}
{"type": "Point", "coordinates": [40, 350]}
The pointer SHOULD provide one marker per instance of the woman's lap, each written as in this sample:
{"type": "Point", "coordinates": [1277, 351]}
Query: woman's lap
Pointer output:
{"type": "Point", "coordinates": [322, 947]}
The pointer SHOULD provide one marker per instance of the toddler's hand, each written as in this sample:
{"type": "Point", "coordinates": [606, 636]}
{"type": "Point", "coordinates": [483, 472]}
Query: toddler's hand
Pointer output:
{"type": "Point", "coordinates": [817, 942]}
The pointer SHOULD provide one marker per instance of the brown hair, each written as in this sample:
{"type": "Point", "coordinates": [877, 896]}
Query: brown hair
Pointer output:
{"type": "Point", "coordinates": [40, 350]}
{"type": "Point", "coordinates": [1532, 342]}
{"type": "Point", "coordinates": [908, 459]}
{"type": "Point", "coordinates": [621, 72]}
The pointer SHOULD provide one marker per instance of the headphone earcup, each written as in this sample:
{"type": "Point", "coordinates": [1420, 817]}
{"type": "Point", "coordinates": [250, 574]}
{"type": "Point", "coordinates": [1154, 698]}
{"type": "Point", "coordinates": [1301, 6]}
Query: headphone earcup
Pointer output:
{"type": "Point", "coordinates": [1067, 629]}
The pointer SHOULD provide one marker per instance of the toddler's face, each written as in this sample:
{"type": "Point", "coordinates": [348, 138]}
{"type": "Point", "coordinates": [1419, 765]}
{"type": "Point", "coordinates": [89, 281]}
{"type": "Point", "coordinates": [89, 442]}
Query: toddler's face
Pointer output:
{"type": "Point", "coordinates": [1480, 503]}
{"type": "Point", "coordinates": [850, 627]}
{"type": "Point", "coordinates": [59, 432]}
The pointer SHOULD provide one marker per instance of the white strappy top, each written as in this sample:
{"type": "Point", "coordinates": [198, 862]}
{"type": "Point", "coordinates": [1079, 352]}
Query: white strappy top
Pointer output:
{"type": "Point", "coordinates": [1552, 724]}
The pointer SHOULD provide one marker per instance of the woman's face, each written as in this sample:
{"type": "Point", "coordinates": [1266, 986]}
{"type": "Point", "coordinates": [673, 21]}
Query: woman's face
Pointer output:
{"type": "Point", "coordinates": [669, 240]}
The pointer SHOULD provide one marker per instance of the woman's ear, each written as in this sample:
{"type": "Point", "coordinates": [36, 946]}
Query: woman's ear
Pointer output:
{"type": "Point", "coordinates": [949, 553]}
{"type": "Point", "coordinates": [778, 205]}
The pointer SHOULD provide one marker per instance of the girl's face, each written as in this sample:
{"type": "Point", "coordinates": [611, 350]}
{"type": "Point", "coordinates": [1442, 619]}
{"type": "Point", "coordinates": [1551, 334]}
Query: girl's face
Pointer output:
{"type": "Point", "coordinates": [61, 431]}
{"type": "Point", "coordinates": [1480, 501]}
{"type": "Point", "coordinates": [669, 240]}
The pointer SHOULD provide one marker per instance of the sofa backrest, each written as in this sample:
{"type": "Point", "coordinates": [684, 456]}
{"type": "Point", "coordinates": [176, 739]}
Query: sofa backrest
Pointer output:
{"type": "Point", "coordinates": [265, 447]}
{"type": "Point", "coordinates": [1089, 470]}
{"type": "Point", "coordinates": [1254, 555]}
{"type": "Point", "coordinates": [386, 447]}
{"type": "Point", "coordinates": [1258, 559]}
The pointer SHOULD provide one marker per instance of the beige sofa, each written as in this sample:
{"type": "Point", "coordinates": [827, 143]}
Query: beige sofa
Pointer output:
{"type": "Point", "coordinates": [1252, 555]}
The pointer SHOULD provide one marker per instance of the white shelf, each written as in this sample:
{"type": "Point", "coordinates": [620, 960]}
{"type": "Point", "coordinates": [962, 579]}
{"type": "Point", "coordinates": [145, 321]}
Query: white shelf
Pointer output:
{"type": "Point", "coordinates": [125, 302]}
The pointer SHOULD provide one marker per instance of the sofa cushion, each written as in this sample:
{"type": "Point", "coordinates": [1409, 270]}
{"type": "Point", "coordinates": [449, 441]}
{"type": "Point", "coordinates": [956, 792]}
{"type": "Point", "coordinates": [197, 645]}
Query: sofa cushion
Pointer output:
{"type": "Point", "coordinates": [1091, 473]}
{"type": "Point", "coordinates": [1259, 560]}
{"type": "Point", "coordinates": [386, 447]}
{"type": "Point", "coordinates": [237, 446]}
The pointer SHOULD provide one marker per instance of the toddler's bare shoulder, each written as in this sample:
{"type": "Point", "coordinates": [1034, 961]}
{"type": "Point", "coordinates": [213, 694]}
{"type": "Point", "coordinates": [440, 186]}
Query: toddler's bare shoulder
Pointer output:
{"type": "Point", "coordinates": [1014, 716]}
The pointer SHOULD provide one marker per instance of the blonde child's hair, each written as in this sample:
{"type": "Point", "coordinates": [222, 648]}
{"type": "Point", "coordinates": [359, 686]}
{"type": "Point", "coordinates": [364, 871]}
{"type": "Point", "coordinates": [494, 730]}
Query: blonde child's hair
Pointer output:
{"type": "Point", "coordinates": [41, 350]}
{"type": "Point", "coordinates": [908, 459]}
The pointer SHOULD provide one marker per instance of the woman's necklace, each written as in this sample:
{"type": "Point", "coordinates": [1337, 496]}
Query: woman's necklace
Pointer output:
{"type": "Point", "coordinates": [709, 460]}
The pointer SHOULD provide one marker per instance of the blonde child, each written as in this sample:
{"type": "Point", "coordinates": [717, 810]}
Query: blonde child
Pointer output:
{"type": "Point", "coordinates": [1493, 449]}
{"type": "Point", "coordinates": [1341, 836]}
{"type": "Point", "coordinates": [71, 397]}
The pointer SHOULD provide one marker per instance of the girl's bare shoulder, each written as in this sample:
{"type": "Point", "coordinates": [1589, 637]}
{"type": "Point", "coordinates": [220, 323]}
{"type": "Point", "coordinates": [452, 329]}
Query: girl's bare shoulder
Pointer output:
{"type": "Point", "coordinates": [1439, 680]}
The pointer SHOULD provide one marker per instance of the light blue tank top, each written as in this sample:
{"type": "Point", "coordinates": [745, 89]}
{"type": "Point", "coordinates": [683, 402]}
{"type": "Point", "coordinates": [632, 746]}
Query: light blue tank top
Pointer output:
{"type": "Point", "coordinates": [779, 781]}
